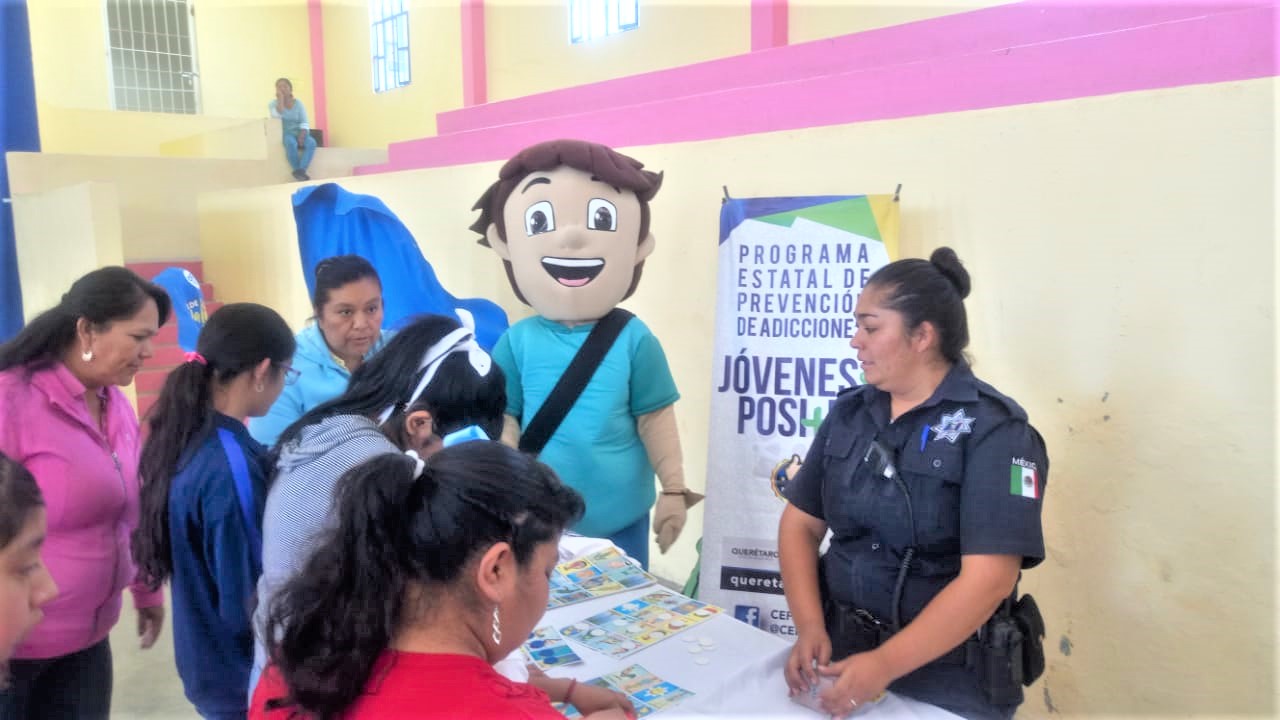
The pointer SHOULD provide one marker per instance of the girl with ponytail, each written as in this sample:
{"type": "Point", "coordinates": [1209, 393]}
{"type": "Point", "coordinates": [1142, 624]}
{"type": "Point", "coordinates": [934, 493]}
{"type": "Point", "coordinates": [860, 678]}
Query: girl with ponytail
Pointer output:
{"type": "Point", "coordinates": [430, 383]}
{"type": "Point", "coordinates": [203, 488]}
{"type": "Point", "coordinates": [433, 571]}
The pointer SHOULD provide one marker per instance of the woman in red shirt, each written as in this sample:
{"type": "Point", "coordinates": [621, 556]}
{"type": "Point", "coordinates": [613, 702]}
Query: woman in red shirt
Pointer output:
{"type": "Point", "coordinates": [435, 570]}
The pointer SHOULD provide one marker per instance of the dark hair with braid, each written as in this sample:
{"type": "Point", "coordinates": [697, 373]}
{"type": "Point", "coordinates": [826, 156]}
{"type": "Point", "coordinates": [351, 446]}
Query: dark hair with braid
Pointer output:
{"type": "Point", "coordinates": [236, 339]}
{"type": "Point", "coordinates": [397, 531]}
{"type": "Point", "coordinates": [930, 291]}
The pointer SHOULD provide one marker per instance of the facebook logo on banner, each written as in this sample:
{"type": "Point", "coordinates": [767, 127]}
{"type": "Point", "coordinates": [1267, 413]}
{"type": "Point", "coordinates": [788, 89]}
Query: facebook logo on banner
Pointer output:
{"type": "Point", "coordinates": [749, 614]}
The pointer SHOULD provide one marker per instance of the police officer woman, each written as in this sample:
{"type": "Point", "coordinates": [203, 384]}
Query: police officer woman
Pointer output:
{"type": "Point", "coordinates": [931, 483]}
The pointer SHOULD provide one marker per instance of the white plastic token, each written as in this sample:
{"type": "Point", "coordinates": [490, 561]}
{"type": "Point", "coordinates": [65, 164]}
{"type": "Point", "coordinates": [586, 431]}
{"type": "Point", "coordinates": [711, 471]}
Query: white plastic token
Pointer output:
{"type": "Point", "coordinates": [657, 634]}
{"type": "Point", "coordinates": [702, 661]}
{"type": "Point", "coordinates": [620, 622]}
{"type": "Point", "coordinates": [705, 641]}
{"type": "Point", "coordinates": [664, 616]}
{"type": "Point", "coordinates": [677, 623]}
{"type": "Point", "coordinates": [694, 649]}
{"type": "Point", "coordinates": [709, 648]}
{"type": "Point", "coordinates": [688, 639]}
{"type": "Point", "coordinates": [597, 632]}
{"type": "Point", "coordinates": [702, 612]}
{"type": "Point", "coordinates": [626, 645]}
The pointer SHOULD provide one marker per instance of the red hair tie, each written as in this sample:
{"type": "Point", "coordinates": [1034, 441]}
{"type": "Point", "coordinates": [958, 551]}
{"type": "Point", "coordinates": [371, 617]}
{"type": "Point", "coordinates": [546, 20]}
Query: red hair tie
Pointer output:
{"type": "Point", "coordinates": [195, 357]}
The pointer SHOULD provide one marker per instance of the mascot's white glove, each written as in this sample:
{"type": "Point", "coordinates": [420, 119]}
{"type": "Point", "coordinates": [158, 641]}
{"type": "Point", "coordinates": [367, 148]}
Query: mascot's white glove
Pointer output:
{"type": "Point", "coordinates": [661, 441]}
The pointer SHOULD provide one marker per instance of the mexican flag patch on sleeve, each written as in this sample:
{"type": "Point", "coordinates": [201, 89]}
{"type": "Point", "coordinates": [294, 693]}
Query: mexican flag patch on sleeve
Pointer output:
{"type": "Point", "coordinates": [1022, 479]}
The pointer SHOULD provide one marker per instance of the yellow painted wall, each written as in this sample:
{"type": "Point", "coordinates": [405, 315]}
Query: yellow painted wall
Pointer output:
{"type": "Point", "coordinates": [156, 196]}
{"type": "Point", "coordinates": [120, 133]}
{"type": "Point", "coordinates": [69, 55]}
{"type": "Point", "coordinates": [60, 235]}
{"type": "Point", "coordinates": [528, 49]}
{"type": "Point", "coordinates": [816, 19]}
{"type": "Point", "coordinates": [245, 140]}
{"type": "Point", "coordinates": [359, 117]}
{"type": "Point", "coordinates": [1117, 295]}
{"type": "Point", "coordinates": [242, 46]}
{"type": "Point", "coordinates": [78, 226]}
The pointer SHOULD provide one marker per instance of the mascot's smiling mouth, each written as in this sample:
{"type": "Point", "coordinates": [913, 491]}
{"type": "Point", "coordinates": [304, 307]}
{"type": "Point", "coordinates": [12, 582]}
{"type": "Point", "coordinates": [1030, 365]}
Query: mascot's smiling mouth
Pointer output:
{"type": "Point", "coordinates": [573, 272]}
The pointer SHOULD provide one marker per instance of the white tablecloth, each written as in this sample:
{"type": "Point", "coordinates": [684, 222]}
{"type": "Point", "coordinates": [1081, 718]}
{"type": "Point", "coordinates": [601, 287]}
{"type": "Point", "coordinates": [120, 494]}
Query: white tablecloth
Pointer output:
{"type": "Point", "coordinates": [744, 678]}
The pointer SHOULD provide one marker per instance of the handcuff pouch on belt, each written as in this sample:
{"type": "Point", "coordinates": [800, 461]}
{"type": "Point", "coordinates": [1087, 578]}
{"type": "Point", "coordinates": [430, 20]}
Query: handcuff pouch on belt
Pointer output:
{"type": "Point", "coordinates": [852, 630]}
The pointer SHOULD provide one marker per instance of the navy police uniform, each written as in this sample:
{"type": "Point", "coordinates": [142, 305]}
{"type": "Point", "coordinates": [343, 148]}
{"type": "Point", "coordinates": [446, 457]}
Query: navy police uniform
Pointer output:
{"type": "Point", "coordinates": [975, 471]}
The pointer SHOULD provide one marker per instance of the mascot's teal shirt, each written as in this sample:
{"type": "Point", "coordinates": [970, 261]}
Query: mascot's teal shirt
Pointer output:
{"type": "Point", "coordinates": [597, 449]}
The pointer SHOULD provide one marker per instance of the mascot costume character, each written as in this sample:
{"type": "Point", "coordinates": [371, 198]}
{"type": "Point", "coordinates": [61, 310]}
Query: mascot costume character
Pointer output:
{"type": "Point", "coordinates": [588, 386]}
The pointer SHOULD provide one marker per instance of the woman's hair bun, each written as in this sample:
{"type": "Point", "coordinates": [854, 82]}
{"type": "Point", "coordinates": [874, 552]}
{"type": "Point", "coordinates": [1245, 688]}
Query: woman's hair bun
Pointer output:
{"type": "Point", "coordinates": [948, 263]}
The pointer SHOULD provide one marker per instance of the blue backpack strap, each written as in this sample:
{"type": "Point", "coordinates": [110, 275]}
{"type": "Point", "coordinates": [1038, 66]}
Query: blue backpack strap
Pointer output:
{"type": "Point", "coordinates": [244, 491]}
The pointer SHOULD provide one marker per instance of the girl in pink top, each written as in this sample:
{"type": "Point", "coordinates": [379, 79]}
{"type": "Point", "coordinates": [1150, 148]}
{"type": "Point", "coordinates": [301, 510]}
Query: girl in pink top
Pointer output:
{"type": "Point", "coordinates": [64, 419]}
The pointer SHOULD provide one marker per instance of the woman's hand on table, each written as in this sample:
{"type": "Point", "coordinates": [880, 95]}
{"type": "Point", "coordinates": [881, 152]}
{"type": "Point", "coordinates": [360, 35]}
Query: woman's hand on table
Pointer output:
{"type": "Point", "coordinates": [813, 647]}
{"type": "Point", "coordinates": [591, 700]}
{"type": "Point", "coordinates": [600, 703]}
{"type": "Point", "coordinates": [859, 678]}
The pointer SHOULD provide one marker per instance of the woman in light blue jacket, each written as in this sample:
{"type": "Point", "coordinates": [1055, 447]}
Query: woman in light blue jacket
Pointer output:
{"type": "Point", "coordinates": [299, 146]}
{"type": "Point", "coordinates": [346, 332]}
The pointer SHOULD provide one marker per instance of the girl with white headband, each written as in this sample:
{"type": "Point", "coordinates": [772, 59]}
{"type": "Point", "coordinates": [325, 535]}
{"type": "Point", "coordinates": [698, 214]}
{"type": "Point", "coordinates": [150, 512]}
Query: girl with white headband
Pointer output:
{"type": "Point", "coordinates": [430, 384]}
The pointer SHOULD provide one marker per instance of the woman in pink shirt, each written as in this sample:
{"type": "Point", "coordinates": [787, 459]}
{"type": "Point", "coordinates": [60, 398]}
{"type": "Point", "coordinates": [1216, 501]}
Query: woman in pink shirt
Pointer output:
{"type": "Point", "coordinates": [64, 419]}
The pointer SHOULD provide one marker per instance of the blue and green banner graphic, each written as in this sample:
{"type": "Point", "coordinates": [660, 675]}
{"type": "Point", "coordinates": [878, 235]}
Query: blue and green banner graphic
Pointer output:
{"type": "Point", "coordinates": [790, 273]}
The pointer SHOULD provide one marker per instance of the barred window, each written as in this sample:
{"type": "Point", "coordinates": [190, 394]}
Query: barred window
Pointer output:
{"type": "Point", "coordinates": [152, 56]}
{"type": "Point", "coordinates": [389, 43]}
{"type": "Point", "coordinates": [593, 19]}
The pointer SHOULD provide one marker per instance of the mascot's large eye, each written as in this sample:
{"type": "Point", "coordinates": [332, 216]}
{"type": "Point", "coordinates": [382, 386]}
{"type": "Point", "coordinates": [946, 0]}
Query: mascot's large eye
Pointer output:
{"type": "Point", "coordinates": [602, 215]}
{"type": "Point", "coordinates": [539, 218]}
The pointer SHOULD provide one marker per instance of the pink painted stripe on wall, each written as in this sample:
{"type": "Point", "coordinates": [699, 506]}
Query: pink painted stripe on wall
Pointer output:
{"type": "Point", "coordinates": [768, 24]}
{"type": "Point", "coordinates": [989, 29]}
{"type": "Point", "coordinates": [319, 103]}
{"type": "Point", "coordinates": [1233, 45]}
{"type": "Point", "coordinates": [474, 74]}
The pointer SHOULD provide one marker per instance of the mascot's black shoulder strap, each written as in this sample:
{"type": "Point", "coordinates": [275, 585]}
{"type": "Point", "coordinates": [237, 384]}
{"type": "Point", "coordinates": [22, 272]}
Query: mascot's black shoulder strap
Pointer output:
{"type": "Point", "coordinates": [573, 381]}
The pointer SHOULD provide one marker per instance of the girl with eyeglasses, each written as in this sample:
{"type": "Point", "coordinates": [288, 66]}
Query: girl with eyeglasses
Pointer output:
{"type": "Point", "coordinates": [203, 490]}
